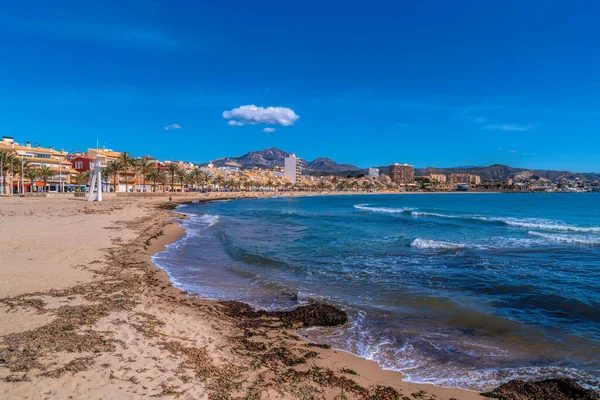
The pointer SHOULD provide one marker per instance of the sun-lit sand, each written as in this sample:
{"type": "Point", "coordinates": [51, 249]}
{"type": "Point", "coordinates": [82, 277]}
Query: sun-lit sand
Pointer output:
{"type": "Point", "coordinates": [84, 314]}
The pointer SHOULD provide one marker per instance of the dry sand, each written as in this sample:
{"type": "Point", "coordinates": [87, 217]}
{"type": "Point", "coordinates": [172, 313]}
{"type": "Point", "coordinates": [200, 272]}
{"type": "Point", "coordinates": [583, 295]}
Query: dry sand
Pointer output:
{"type": "Point", "coordinates": [85, 315]}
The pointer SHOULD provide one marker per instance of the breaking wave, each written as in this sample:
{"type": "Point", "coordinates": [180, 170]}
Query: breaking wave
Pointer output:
{"type": "Point", "coordinates": [528, 223]}
{"type": "Point", "coordinates": [208, 219]}
{"type": "Point", "coordinates": [571, 239]}
{"type": "Point", "coordinates": [420, 243]}
{"type": "Point", "coordinates": [367, 207]}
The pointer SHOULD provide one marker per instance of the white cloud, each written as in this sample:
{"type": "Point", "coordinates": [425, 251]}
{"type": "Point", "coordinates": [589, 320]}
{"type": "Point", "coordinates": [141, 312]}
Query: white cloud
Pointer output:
{"type": "Point", "coordinates": [172, 126]}
{"type": "Point", "coordinates": [251, 114]}
{"type": "Point", "coordinates": [268, 130]}
{"type": "Point", "coordinates": [234, 123]}
{"type": "Point", "coordinates": [509, 127]}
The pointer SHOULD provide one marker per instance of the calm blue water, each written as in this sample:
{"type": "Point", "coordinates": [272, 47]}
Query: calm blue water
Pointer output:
{"type": "Point", "coordinates": [461, 290]}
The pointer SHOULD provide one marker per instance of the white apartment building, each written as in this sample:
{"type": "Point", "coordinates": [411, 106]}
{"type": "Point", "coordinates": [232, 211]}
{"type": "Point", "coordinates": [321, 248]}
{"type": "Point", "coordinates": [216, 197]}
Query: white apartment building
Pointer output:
{"type": "Point", "coordinates": [293, 168]}
{"type": "Point", "coordinates": [374, 172]}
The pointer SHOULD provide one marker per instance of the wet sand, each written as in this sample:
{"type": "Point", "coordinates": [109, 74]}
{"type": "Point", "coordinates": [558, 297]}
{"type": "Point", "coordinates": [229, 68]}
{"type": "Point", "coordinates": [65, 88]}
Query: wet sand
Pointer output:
{"type": "Point", "coordinates": [85, 314]}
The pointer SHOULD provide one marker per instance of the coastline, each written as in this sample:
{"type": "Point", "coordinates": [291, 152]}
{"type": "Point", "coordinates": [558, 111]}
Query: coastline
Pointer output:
{"type": "Point", "coordinates": [368, 369]}
{"type": "Point", "coordinates": [105, 321]}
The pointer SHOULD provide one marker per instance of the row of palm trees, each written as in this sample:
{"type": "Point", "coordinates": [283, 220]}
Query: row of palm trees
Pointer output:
{"type": "Point", "coordinates": [145, 170]}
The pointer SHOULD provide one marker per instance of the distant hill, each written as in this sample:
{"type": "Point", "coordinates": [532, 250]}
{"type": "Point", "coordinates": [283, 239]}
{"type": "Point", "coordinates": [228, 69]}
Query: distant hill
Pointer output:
{"type": "Point", "coordinates": [273, 157]}
{"type": "Point", "coordinates": [328, 165]}
{"type": "Point", "coordinates": [493, 172]}
{"type": "Point", "coordinates": [501, 172]}
{"type": "Point", "coordinates": [267, 158]}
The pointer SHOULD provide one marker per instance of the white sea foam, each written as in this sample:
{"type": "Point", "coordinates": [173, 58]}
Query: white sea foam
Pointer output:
{"type": "Point", "coordinates": [430, 214]}
{"type": "Point", "coordinates": [571, 239]}
{"type": "Point", "coordinates": [528, 223]}
{"type": "Point", "coordinates": [420, 243]}
{"type": "Point", "coordinates": [547, 225]}
{"type": "Point", "coordinates": [208, 219]}
{"type": "Point", "coordinates": [367, 207]}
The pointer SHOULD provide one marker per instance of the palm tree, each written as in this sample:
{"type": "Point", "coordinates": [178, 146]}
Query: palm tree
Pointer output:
{"type": "Point", "coordinates": [182, 177]}
{"type": "Point", "coordinates": [145, 167]}
{"type": "Point", "coordinates": [197, 177]}
{"type": "Point", "coordinates": [162, 178]}
{"type": "Point", "coordinates": [154, 176]}
{"type": "Point", "coordinates": [45, 173]}
{"type": "Point", "coordinates": [113, 169]}
{"type": "Point", "coordinates": [335, 180]}
{"type": "Point", "coordinates": [205, 178]}
{"type": "Point", "coordinates": [8, 162]}
{"type": "Point", "coordinates": [107, 172]}
{"type": "Point", "coordinates": [32, 175]}
{"type": "Point", "coordinates": [172, 169]}
{"type": "Point", "coordinates": [127, 163]}
{"type": "Point", "coordinates": [218, 180]}
{"type": "Point", "coordinates": [80, 178]}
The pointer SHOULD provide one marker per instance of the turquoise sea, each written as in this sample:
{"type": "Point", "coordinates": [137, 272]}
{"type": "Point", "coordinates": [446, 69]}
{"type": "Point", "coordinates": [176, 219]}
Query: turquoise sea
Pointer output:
{"type": "Point", "coordinates": [460, 290]}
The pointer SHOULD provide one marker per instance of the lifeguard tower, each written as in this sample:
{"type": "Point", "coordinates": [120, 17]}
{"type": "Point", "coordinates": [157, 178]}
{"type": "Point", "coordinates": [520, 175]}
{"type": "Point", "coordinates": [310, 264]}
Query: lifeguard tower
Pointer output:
{"type": "Point", "coordinates": [96, 179]}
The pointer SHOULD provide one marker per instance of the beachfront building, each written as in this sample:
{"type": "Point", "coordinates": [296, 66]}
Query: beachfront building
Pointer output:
{"type": "Point", "coordinates": [293, 168]}
{"type": "Point", "coordinates": [108, 154]}
{"type": "Point", "coordinates": [459, 179]}
{"type": "Point", "coordinates": [402, 173]}
{"type": "Point", "coordinates": [35, 157]}
{"type": "Point", "coordinates": [438, 178]}
{"type": "Point", "coordinates": [464, 179]}
{"type": "Point", "coordinates": [81, 163]}
{"type": "Point", "coordinates": [475, 180]}
{"type": "Point", "coordinates": [373, 173]}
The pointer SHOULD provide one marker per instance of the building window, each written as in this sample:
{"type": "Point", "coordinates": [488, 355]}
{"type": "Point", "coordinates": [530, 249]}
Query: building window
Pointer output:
{"type": "Point", "coordinates": [78, 165]}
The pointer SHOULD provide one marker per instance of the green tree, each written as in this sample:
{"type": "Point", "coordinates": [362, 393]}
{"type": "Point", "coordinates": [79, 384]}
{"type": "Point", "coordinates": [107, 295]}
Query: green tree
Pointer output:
{"type": "Point", "coordinates": [128, 163]}
{"type": "Point", "coordinates": [182, 177]}
{"type": "Point", "coordinates": [172, 169]}
{"type": "Point", "coordinates": [198, 177]}
{"type": "Point", "coordinates": [218, 180]}
{"type": "Point", "coordinates": [44, 174]}
{"type": "Point", "coordinates": [8, 162]}
{"type": "Point", "coordinates": [113, 169]}
{"type": "Point", "coordinates": [163, 178]}
{"type": "Point", "coordinates": [154, 176]}
{"type": "Point", "coordinates": [31, 174]}
{"type": "Point", "coordinates": [80, 178]}
{"type": "Point", "coordinates": [145, 167]}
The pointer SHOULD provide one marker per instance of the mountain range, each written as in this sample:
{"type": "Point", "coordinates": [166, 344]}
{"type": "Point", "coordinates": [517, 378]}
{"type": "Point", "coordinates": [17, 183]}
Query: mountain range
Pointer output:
{"type": "Point", "coordinates": [273, 157]}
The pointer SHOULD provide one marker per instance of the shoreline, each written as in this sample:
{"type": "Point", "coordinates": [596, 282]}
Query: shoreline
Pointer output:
{"type": "Point", "coordinates": [87, 314]}
{"type": "Point", "coordinates": [351, 356]}
{"type": "Point", "coordinates": [389, 377]}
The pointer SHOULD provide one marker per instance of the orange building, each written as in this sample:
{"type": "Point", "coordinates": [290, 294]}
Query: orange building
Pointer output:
{"type": "Point", "coordinates": [37, 157]}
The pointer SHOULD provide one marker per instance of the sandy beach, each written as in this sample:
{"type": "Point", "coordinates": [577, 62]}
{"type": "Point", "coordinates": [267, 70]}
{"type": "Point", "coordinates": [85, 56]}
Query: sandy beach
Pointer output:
{"type": "Point", "coordinates": [85, 314]}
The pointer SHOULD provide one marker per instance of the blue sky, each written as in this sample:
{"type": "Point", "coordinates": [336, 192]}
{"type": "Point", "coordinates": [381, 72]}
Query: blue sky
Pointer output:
{"type": "Point", "coordinates": [369, 83]}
